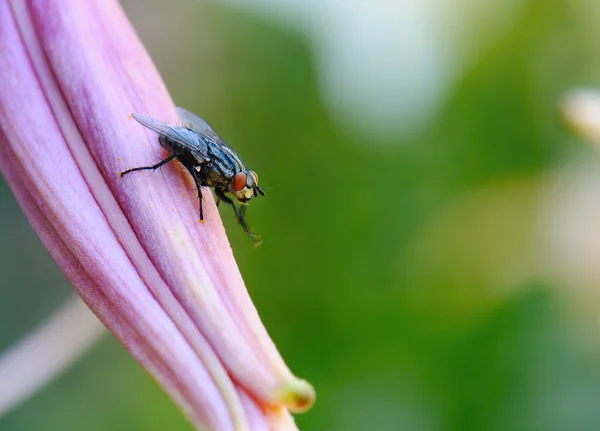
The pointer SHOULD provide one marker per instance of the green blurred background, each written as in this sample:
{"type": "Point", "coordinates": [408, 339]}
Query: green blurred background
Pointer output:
{"type": "Point", "coordinates": [426, 269]}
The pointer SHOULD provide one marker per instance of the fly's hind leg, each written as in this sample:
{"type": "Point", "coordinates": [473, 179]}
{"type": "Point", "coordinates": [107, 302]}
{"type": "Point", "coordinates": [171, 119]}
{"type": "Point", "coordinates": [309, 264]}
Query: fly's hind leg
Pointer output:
{"type": "Point", "coordinates": [148, 168]}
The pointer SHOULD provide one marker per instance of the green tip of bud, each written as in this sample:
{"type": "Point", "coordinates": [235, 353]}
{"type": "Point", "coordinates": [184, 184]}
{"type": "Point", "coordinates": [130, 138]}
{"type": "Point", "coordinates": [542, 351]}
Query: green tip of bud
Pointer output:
{"type": "Point", "coordinates": [298, 396]}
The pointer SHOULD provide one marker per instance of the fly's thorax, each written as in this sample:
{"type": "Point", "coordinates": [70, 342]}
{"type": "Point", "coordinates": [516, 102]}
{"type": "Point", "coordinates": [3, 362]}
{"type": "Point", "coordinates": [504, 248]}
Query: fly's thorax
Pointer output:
{"type": "Point", "coordinates": [224, 159]}
{"type": "Point", "coordinates": [211, 176]}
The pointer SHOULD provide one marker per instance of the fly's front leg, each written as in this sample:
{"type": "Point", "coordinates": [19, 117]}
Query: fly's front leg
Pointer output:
{"type": "Point", "coordinates": [153, 167]}
{"type": "Point", "coordinates": [221, 197]}
{"type": "Point", "coordinates": [240, 216]}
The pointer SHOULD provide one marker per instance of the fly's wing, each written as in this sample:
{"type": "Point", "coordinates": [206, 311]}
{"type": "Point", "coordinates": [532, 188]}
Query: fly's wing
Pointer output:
{"type": "Point", "coordinates": [198, 125]}
{"type": "Point", "coordinates": [182, 136]}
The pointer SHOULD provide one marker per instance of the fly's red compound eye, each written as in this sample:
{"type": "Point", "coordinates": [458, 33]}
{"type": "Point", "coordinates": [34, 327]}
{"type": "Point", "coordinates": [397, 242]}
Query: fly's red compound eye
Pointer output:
{"type": "Point", "coordinates": [239, 181]}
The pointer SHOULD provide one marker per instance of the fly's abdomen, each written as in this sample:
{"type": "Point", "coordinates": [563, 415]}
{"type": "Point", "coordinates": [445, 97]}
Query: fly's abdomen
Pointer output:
{"type": "Point", "coordinates": [190, 146]}
{"type": "Point", "coordinates": [169, 145]}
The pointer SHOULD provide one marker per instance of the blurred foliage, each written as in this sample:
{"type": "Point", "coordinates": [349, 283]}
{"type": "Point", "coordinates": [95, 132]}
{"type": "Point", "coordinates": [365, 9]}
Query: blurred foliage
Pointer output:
{"type": "Point", "coordinates": [401, 278]}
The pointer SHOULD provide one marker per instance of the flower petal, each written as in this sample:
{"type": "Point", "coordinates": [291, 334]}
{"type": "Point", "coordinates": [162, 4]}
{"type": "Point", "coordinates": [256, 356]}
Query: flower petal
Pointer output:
{"type": "Point", "coordinates": [166, 286]}
{"type": "Point", "coordinates": [207, 281]}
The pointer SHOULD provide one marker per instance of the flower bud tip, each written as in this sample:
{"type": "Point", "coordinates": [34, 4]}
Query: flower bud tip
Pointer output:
{"type": "Point", "coordinates": [298, 396]}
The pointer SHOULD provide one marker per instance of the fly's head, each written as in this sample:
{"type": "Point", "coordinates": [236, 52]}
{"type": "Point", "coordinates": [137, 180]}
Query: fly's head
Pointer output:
{"type": "Point", "coordinates": [244, 186]}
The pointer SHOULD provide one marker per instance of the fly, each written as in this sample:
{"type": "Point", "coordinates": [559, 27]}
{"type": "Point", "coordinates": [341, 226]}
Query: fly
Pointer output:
{"type": "Point", "coordinates": [208, 159]}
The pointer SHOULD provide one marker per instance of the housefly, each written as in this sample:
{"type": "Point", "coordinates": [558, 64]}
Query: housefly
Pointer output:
{"type": "Point", "coordinates": [208, 159]}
